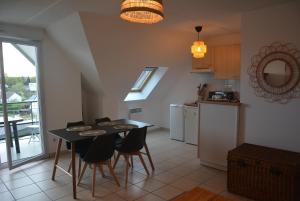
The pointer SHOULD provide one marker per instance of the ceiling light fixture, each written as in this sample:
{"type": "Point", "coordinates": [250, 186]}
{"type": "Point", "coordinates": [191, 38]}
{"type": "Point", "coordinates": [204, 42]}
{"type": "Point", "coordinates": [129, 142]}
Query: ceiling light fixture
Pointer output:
{"type": "Point", "coordinates": [198, 48]}
{"type": "Point", "coordinates": [142, 11]}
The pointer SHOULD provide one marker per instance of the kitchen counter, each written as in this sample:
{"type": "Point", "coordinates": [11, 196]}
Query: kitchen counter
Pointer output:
{"type": "Point", "coordinates": [221, 103]}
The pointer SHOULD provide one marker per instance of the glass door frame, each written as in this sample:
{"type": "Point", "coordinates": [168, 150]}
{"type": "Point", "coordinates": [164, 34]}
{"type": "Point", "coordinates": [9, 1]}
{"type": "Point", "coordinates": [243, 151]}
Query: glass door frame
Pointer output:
{"type": "Point", "coordinates": [37, 45]}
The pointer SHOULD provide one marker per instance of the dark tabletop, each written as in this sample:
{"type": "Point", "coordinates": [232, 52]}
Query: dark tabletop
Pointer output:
{"type": "Point", "coordinates": [73, 136]}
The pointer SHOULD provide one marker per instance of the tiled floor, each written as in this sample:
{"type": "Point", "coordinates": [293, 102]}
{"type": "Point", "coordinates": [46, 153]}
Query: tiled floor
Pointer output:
{"type": "Point", "coordinates": [177, 170]}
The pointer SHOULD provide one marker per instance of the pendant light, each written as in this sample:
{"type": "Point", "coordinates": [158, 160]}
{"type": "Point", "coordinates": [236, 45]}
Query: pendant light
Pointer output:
{"type": "Point", "coordinates": [142, 11]}
{"type": "Point", "coordinates": [198, 48]}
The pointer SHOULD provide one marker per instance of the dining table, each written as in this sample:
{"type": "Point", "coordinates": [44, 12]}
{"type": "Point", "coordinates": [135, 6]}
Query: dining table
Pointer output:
{"type": "Point", "coordinates": [73, 136]}
{"type": "Point", "coordinates": [13, 122]}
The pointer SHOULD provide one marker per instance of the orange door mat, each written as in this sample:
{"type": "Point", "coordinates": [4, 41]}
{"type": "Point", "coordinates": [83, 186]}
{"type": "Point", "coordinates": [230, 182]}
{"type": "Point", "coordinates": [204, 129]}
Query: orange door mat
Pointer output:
{"type": "Point", "coordinates": [200, 194]}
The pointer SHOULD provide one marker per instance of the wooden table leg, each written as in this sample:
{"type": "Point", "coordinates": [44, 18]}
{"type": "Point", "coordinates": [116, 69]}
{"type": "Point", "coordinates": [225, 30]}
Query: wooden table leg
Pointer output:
{"type": "Point", "coordinates": [56, 158]}
{"type": "Point", "coordinates": [16, 137]}
{"type": "Point", "coordinates": [74, 169]}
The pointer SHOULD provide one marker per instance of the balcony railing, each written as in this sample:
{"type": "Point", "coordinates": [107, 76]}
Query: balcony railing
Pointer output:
{"type": "Point", "coordinates": [27, 110]}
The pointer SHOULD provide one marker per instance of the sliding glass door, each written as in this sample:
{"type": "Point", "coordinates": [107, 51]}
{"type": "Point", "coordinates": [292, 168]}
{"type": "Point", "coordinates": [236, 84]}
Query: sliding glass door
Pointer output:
{"type": "Point", "coordinates": [21, 138]}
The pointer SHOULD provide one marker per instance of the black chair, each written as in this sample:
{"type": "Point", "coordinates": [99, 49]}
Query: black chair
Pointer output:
{"type": "Point", "coordinates": [148, 153]}
{"type": "Point", "coordinates": [107, 119]}
{"type": "Point", "coordinates": [131, 146]}
{"type": "Point", "coordinates": [104, 119]}
{"type": "Point", "coordinates": [80, 146]}
{"type": "Point", "coordinates": [99, 153]}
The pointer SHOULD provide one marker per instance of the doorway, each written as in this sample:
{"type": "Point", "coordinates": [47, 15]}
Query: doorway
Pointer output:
{"type": "Point", "coordinates": [21, 127]}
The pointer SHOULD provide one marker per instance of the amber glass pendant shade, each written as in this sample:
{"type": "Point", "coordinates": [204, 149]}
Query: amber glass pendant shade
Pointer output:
{"type": "Point", "coordinates": [198, 48]}
{"type": "Point", "coordinates": [142, 11]}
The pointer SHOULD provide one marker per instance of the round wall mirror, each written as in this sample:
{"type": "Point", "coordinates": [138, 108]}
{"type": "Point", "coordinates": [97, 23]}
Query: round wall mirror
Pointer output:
{"type": "Point", "coordinates": [275, 72]}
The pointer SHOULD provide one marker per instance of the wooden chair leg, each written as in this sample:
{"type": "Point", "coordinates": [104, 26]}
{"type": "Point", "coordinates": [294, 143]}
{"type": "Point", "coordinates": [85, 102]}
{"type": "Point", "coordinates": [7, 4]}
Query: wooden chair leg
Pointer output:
{"type": "Point", "coordinates": [113, 173]}
{"type": "Point", "coordinates": [128, 161]}
{"type": "Point", "coordinates": [117, 159]}
{"type": "Point", "coordinates": [126, 170]}
{"type": "Point", "coordinates": [101, 170]}
{"type": "Point", "coordinates": [82, 173]}
{"type": "Point", "coordinates": [143, 162]}
{"type": "Point", "coordinates": [131, 159]}
{"type": "Point", "coordinates": [149, 156]}
{"type": "Point", "coordinates": [70, 166]}
{"type": "Point", "coordinates": [94, 180]}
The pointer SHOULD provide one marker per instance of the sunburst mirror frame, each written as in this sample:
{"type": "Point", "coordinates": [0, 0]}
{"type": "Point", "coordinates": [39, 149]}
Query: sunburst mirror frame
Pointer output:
{"type": "Point", "coordinates": [285, 52]}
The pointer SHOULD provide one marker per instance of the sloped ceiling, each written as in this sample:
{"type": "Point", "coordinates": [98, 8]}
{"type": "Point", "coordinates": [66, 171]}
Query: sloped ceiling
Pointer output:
{"type": "Point", "coordinates": [70, 36]}
{"type": "Point", "coordinates": [217, 16]}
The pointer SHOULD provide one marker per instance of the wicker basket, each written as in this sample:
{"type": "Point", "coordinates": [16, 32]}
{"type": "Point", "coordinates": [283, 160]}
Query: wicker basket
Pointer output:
{"type": "Point", "coordinates": [263, 173]}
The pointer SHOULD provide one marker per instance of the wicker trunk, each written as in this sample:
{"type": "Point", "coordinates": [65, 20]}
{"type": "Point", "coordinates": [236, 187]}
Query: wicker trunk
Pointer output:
{"type": "Point", "coordinates": [264, 174]}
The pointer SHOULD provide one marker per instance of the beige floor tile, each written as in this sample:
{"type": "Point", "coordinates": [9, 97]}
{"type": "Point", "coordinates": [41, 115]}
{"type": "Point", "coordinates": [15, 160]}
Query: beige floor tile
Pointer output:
{"type": "Point", "coordinates": [36, 197]}
{"type": "Point", "coordinates": [181, 171]}
{"type": "Point", "coordinates": [100, 193]}
{"type": "Point", "coordinates": [150, 197]}
{"type": "Point", "coordinates": [49, 184]}
{"type": "Point", "coordinates": [185, 184]}
{"type": "Point", "coordinates": [25, 191]}
{"type": "Point", "coordinates": [17, 183]}
{"type": "Point", "coordinates": [113, 186]}
{"type": "Point", "coordinates": [167, 192]}
{"type": "Point", "coordinates": [59, 192]}
{"type": "Point", "coordinates": [166, 177]}
{"type": "Point", "coordinates": [12, 176]}
{"type": "Point", "coordinates": [6, 196]}
{"type": "Point", "coordinates": [200, 175]}
{"type": "Point", "coordinates": [150, 185]}
{"type": "Point", "coordinates": [111, 197]}
{"type": "Point", "coordinates": [44, 176]}
{"type": "Point", "coordinates": [3, 188]}
{"type": "Point", "coordinates": [217, 184]}
{"type": "Point", "coordinates": [131, 193]}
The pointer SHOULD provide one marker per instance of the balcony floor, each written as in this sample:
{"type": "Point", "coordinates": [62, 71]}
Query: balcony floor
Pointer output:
{"type": "Point", "coordinates": [26, 149]}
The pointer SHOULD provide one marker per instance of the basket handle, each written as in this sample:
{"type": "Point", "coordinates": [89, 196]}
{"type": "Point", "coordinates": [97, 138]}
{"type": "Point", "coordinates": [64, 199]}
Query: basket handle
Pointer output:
{"type": "Point", "coordinates": [275, 171]}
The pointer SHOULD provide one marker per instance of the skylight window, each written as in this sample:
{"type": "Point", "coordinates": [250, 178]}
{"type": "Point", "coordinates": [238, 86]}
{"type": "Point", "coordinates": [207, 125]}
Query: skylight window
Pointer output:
{"type": "Point", "coordinates": [143, 79]}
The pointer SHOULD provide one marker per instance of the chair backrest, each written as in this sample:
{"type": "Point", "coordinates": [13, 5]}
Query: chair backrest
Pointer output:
{"type": "Point", "coordinates": [104, 119]}
{"type": "Point", "coordinates": [134, 141]}
{"type": "Point", "coordinates": [101, 149]}
{"type": "Point", "coordinates": [76, 123]}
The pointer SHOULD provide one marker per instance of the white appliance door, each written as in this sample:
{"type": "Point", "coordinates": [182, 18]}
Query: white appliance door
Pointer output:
{"type": "Point", "coordinates": [176, 122]}
{"type": "Point", "coordinates": [191, 125]}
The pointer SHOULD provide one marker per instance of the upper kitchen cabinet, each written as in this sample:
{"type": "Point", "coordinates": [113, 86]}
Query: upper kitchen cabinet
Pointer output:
{"type": "Point", "coordinates": [204, 64]}
{"type": "Point", "coordinates": [227, 62]}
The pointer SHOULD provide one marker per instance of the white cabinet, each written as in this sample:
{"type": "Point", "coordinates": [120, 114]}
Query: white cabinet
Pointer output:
{"type": "Point", "coordinates": [176, 122]}
{"type": "Point", "coordinates": [191, 124]}
{"type": "Point", "coordinates": [218, 133]}
{"type": "Point", "coordinates": [184, 123]}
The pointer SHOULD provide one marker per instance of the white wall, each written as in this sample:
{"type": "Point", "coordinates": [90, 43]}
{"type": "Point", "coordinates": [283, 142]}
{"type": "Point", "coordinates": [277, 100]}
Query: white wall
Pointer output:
{"type": "Point", "coordinates": [61, 90]}
{"type": "Point", "coordinates": [269, 124]}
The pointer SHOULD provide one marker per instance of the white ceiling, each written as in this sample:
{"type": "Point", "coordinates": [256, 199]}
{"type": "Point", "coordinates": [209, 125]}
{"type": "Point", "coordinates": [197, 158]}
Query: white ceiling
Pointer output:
{"type": "Point", "coordinates": [217, 16]}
